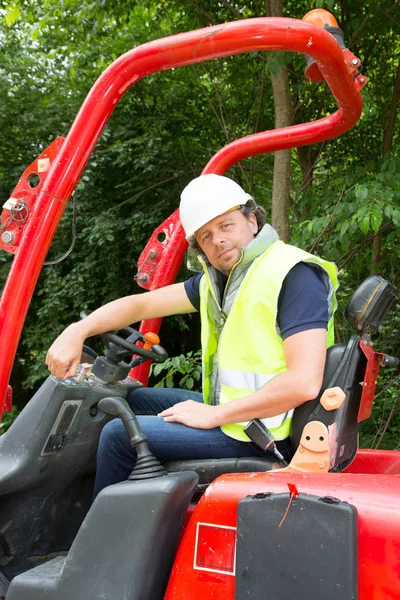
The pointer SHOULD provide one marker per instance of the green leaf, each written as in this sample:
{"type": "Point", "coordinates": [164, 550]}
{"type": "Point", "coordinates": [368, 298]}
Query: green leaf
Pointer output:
{"type": "Point", "coordinates": [12, 16]}
{"type": "Point", "coordinates": [396, 217]}
{"type": "Point", "coordinates": [388, 211]}
{"type": "Point", "coordinates": [365, 225]}
{"type": "Point", "coordinates": [176, 362]}
{"type": "Point", "coordinates": [189, 383]}
{"type": "Point", "coordinates": [158, 368]}
{"type": "Point", "coordinates": [376, 220]}
{"type": "Point", "coordinates": [361, 192]}
{"type": "Point", "coordinates": [35, 32]}
{"type": "Point", "coordinates": [344, 228]}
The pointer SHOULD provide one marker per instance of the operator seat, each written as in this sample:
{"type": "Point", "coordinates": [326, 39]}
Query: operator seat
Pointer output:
{"type": "Point", "coordinates": [345, 367]}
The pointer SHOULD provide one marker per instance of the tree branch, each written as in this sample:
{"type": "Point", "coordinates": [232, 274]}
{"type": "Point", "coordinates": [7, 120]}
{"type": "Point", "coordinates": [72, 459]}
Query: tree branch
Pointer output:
{"type": "Point", "coordinates": [351, 252]}
{"type": "Point", "coordinates": [315, 244]}
{"type": "Point", "coordinates": [232, 9]}
{"type": "Point", "coordinates": [391, 414]}
{"type": "Point", "coordinates": [360, 27]}
{"type": "Point", "coordinates": [150, 187]}
{"type": "Point", "coordinates": [208, 18]}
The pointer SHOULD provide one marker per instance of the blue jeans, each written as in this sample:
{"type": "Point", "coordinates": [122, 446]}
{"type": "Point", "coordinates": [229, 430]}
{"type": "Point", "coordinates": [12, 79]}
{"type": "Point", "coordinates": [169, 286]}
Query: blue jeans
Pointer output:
{"type": "Point", "coordinates": [167, 441]}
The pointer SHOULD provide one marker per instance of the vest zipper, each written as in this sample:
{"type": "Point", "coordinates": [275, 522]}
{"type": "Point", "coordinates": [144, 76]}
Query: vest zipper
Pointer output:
{"type": "Point", "coordinates": [215, 385]}
{"type": "Point", "coordinates": [227, 283]}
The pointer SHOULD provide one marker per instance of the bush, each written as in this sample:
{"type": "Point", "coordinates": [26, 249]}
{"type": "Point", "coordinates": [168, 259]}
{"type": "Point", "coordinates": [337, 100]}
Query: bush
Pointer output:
{"type": "Point", "coordinates": [8, 419]}
{"type": "Point", "coordinates": [182, 371]}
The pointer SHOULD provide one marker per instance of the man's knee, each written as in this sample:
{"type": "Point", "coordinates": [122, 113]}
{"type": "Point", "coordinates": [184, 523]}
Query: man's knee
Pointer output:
{"type": "Point", "coordinates": [112, 435]}
{"type": "Point", "coordinates": [140, 400]}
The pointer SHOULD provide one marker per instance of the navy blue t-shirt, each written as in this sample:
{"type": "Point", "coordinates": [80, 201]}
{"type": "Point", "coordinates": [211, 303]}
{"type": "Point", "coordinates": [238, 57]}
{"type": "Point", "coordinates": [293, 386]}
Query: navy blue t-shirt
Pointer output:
{"type": "Point", "coordinates": [302, 302]}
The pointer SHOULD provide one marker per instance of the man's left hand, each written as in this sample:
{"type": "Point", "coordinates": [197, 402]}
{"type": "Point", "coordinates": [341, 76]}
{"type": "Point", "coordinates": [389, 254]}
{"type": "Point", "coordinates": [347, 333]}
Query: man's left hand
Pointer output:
{"type": "Point", "coordinates": [192, 414]}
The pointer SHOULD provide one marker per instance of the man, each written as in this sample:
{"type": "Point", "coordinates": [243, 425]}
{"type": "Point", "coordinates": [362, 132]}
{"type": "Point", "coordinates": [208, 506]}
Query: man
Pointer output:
{"type": "Point", "coordinates": [265, 309]}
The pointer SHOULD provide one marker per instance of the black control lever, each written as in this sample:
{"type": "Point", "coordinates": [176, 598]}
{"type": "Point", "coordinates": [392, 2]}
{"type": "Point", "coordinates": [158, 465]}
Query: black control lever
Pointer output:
{"type": "Point", "coordinates": [147, 465]}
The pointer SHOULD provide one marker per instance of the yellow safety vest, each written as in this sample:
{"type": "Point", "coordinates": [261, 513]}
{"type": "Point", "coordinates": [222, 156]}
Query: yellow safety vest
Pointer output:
{"type": "Point", "coordinates": [244, 351]}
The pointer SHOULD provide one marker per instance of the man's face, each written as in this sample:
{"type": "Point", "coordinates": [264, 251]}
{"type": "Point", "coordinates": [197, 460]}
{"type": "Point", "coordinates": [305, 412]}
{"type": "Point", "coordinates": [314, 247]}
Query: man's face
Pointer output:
{"type": "Point", "coordinates": [222, 239]}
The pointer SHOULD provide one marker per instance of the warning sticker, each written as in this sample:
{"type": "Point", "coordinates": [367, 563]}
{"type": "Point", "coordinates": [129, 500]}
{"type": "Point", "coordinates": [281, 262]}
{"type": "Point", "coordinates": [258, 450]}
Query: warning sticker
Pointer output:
{"type": "Point", "coordinates": [43, 165]}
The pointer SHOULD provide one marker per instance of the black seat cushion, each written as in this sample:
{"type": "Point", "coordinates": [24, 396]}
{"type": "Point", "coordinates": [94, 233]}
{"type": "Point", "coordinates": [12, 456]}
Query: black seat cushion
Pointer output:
{"type": "Point", "coordinates": [209, 469]}
{"type": "Point", "coordinates": [370, 303]}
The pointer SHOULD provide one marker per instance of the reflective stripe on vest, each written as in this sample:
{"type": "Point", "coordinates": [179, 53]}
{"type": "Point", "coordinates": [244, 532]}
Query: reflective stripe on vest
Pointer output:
{"type": "Point", "coordinates": [249, 349]}
{"type": "Point", "coordinates": [244, 380]}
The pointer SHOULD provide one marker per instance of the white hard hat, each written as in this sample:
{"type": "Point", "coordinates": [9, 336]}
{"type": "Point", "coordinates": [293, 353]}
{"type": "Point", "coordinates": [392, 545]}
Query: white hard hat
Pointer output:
{"type": "Point", "coordinates": [207, 197]}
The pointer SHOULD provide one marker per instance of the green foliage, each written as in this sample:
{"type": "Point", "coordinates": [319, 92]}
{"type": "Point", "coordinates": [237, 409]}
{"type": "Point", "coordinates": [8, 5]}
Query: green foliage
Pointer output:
{"type": "Point", "coordinates": [12, 15]}
{"type": "Point", "coordinates": [382, 429]}
{"type": "Point", "coordinates": [8, 419]}
{"type": "Point", "coordinates": [182, 371]}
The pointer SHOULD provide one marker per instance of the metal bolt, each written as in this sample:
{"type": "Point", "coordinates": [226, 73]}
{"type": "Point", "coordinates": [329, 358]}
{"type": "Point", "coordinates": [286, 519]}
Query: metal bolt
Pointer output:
{"type": "Point", "coordinates": [153, 253]}
{"type": "Point", "coordinates": [8, 237]}
{"type": "Point", "coordinates": [354, 62]}
{"type": "Point", "coordinates": [143, 277]}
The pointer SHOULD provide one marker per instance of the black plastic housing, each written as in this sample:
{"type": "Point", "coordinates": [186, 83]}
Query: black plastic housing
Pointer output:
{"type": "Point", "coordinates": [311, 555]}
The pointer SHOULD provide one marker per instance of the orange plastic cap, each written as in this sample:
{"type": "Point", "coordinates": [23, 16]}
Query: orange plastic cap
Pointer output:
{"type": "Point", "coordinates": [320, 17]}
{"type": "Point", "coordinates": [151, 339]}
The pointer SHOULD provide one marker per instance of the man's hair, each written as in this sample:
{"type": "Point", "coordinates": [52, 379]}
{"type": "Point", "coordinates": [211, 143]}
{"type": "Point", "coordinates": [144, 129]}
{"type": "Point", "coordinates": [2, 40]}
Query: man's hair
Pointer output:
{"type": "Point", "coordinates": [250, 208]}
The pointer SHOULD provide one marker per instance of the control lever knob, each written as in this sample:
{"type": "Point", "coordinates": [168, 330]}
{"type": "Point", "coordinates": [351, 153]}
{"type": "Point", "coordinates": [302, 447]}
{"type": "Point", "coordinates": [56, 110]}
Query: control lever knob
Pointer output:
{"type": "Point", "coordinates": [118, 407]}
{"type": "Point", "coordinates": [147, 466]}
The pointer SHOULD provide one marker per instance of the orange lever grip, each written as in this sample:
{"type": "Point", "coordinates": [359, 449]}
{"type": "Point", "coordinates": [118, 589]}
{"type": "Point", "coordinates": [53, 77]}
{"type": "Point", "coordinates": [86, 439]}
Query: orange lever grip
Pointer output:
{"type": "Point", "coordinates": [151, 339]}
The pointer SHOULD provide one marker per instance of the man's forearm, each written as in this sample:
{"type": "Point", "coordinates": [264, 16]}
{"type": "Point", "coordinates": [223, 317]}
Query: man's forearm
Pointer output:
{"type": "Point", "coordinates": [114, 315]}
{"type": "Point", "coordinates": [63, 356]}
{"type": "Point", "coordinates": [169, 300]}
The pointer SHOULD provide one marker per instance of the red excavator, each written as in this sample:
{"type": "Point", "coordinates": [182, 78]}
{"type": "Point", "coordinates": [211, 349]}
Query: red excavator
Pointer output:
{"type": "Point", "coordinates": [326, 526]}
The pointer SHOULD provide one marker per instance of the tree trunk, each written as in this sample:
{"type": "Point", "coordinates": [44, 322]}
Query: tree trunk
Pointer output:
{"type": "Point", "coordinates": [391, 120]}
{"type": "Point", "coordinates": [307, 157]}
{"type": "Point", "coordinates": [306, 160]}
{"type": "Point", "coordinates": [283, 118]}
{"type": "Point", "coordinates": [376, 254]}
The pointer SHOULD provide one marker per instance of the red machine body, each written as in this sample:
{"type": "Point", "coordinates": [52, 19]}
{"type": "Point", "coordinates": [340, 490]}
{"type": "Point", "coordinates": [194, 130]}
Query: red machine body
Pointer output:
{"type": "Point", "coordinates": [205, 562]}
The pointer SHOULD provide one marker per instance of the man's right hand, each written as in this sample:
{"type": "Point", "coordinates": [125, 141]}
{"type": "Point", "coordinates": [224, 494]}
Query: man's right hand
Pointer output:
{"type": "Point", "coordinates": [64, 355]}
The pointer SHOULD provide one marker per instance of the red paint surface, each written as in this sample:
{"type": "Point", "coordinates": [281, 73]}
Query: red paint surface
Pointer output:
{"type": "Point", "coordinates": [9, 400]}
{"type": "Point", "coordinates": [374, 360]}
{"type": "Point", "coordinates": [375, 497]}
{"type": "Point", "coordinates": [376, 462]}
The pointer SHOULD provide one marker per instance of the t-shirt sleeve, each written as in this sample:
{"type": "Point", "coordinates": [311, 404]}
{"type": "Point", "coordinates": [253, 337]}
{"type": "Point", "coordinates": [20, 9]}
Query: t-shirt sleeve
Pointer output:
{"type": "Point", "coordinates": [192, 289]}
{"type": "Point", "coordinates": [303, 301]}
